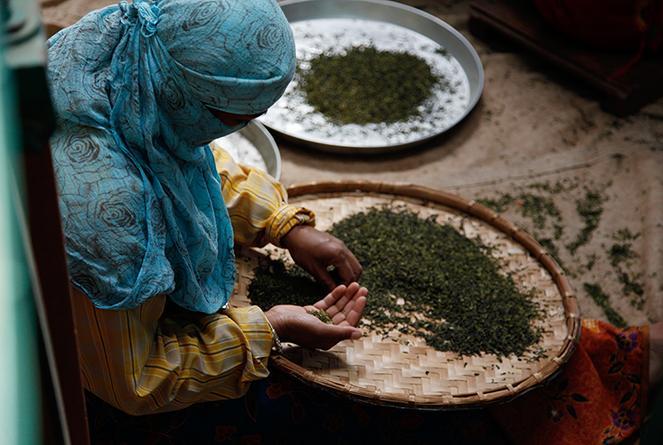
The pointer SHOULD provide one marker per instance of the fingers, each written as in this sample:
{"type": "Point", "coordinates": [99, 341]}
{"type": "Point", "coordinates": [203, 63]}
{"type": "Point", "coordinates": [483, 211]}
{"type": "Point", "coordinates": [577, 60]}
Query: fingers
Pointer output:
{"type": "Point", "coordinates": [330, 335]}
{"type": "Point", "coordinates": [337, 298]}
{"type": "Point", "coordinates": [355, 313]}
{"type": "Point", "coordinates": [348, 268]}
{"type": "Point", "coordinates": [345, 305]}
{"type": "Point", "coordinates": [323, 277]}
{"type": "Point", "coordinates": [331, 298]}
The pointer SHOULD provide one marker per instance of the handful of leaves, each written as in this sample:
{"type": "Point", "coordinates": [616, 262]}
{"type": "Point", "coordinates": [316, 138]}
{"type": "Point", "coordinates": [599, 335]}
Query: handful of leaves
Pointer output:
{"type": "Point", "coordinates": [322, 316]}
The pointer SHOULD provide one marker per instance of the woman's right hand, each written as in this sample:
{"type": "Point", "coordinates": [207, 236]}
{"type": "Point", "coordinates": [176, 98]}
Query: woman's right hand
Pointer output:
{"type": "Point", "coordinates": [315, 250]}
{"type": "Point", "coordinates": [344, 305]}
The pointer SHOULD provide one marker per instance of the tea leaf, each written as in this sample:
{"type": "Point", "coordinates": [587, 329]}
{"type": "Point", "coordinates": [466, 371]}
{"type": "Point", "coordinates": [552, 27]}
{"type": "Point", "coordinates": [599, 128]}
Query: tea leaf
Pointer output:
{"type": "Point", "coordinates": [365, 85]}
{"type": "Point", "coordinates": [428, 280]}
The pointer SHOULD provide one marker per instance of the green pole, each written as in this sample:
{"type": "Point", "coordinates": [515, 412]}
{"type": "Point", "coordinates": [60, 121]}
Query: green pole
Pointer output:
{"type": "Point", "coordinates": [20, 391]}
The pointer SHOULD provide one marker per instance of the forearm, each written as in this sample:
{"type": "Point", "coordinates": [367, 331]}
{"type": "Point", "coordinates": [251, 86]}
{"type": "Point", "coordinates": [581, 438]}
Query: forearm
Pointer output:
{"type": "Point", "coordinates": [142, 362]}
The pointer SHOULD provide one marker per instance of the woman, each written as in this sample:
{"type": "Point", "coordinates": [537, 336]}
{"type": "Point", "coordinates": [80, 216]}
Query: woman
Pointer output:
{"type": "Point", "coordinates": [140, 90]}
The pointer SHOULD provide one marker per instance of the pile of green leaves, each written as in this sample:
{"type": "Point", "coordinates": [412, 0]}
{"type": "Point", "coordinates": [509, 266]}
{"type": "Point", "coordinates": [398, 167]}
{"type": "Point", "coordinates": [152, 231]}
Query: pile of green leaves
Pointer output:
{"type": "Point", "coordinates": [275, 283]}
{"type": "Point", "coordinates": [365, 85]}
{"type": "Point", "coordinates": [424, 279]}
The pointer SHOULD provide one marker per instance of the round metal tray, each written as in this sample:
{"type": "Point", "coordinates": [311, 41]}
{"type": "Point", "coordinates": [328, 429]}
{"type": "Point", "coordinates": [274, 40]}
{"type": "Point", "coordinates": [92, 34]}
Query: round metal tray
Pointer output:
{"type": "Point", "coordinates": [285, 121]}
{"type": "Point", "coordinates": [259, 137]}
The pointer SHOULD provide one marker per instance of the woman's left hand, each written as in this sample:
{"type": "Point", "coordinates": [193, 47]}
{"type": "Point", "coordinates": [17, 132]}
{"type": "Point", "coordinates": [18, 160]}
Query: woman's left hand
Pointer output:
{"type": "Point", "coordinates": [344, 305]}
{"type": "Point", "coordinates": [315, 251]}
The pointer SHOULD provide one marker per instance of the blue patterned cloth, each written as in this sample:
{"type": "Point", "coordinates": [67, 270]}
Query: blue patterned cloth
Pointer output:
{"type": "Point", "coordinates": [140, 197]}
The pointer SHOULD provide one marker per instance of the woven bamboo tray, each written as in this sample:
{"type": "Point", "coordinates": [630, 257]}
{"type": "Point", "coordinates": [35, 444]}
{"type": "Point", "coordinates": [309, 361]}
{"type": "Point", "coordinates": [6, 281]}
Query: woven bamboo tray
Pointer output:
{"type": "Point", "coordinates": [402, 370]}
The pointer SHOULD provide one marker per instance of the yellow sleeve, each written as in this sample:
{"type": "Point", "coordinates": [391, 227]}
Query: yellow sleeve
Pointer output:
{"type": "Point", "coordinates": [256, 202]}
{"type": "Point", "coordinates": [142, 361]}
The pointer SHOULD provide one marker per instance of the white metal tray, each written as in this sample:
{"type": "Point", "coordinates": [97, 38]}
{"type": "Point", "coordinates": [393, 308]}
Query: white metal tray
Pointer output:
{"type": "Point", "coordinates": [331, 25]}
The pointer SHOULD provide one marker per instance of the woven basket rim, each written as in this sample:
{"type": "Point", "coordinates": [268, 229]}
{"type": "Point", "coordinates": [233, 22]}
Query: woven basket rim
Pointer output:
{"type": "Point", "coordinates": [446, 401]}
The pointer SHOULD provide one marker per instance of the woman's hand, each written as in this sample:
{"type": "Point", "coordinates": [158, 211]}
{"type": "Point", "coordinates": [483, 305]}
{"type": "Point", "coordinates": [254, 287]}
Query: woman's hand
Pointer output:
{"type": "Point", "coordinates": [315, 251]}
{"type": "Point", "coordinates": [344, 305]}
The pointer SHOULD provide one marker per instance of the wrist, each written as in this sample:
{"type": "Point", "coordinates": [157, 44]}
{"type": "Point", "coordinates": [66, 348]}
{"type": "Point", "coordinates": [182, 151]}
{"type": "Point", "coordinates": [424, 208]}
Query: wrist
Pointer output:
{"type": "Point", "coordinates": [277, 346]}
{"type": "Point", "coordinates": [292, 233]}
{"type": "Point", "coordinates": [284, 220]}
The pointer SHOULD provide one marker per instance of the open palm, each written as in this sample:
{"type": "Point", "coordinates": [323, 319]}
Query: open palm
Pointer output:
{"type": "Point", "coordinates": [344, 305]}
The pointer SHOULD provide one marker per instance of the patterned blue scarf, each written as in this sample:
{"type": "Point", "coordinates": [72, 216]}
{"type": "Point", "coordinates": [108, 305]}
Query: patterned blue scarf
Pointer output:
{"type": "Point", "coordinates": [140, 197]}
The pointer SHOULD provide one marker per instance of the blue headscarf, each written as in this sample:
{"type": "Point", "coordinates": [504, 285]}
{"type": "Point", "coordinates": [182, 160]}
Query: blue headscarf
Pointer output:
{"type": "Point", "coordinates": [140, 197]}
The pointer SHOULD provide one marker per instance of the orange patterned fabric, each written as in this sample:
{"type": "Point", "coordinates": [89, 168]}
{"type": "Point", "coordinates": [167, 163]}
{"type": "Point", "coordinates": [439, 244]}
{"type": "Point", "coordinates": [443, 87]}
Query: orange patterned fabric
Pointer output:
{"type": "Point", "coordinates": [599, 397]}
